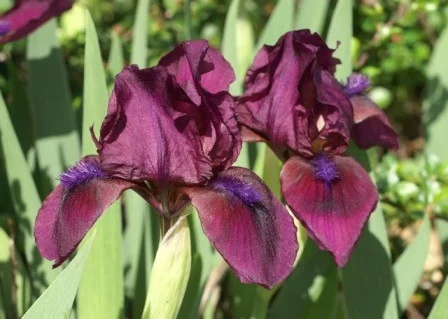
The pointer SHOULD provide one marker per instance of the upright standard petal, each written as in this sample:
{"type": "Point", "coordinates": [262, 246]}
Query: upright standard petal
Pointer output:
{"type": "Point", "coordinates": [290, 87]}
{"type": "Point", "coordinates": [333, 197]}
{"type": "Point", "coordinates": [248, 226]}
{"type": "Point", "coordinates": [372, 126]}
{"type": "Point", "coordinates": [148, 133]}
{"type": "Point", "coordinates": [28, 15]}
{"type": "Point", "coordinates": [195, 60]}
{"type": "Point", "coordinates": [72, 208]}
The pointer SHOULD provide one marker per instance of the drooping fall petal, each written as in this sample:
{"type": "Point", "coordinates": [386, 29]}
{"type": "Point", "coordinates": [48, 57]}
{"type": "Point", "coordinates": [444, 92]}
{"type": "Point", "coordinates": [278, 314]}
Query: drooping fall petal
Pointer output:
{"type": "Point", "coordinates": [248, 226]}
{"type": "Point", "coordinates": [72, 208]}
{"type": "Point", "coordinates": [371, 126]}
{"type": "Point", "coordinates": [333, 197]}
{"type": "Point", "coordinates": [28, 15]}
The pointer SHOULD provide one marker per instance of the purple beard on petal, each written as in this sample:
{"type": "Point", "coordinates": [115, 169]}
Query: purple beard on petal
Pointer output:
{"type": "Point", "coordinates": [83, 172]}
{"type": "Point", "coordinates": [357, 83]}
{"type": "Point", "coordinates": [325, 169]}
{"type": "Point", "coordinates": [5, 26]}
{"type": "Point", "coordinates": [244, 192]}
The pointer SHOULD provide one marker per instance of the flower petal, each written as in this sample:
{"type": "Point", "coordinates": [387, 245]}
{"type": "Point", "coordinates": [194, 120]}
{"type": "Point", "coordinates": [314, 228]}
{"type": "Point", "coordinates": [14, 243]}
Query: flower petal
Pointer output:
{"type": "Point", "coordinates": [28, 15]}
{"type": "Point", "coordinates": [333, 198]}
{"type": "Point", "coordinates": [248, 225]}
{"type": "Point", "coordinates": [196, 60]}
{"type": "Point", "coordinates": [372, 126]}
{"type": "Point", "coordinates": [148, 133]}
{"type": "Point", "coordinates": [72, 208]}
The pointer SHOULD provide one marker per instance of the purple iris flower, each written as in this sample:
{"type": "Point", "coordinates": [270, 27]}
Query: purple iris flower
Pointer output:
{"type": "Point", "coordinates": [293, 102]}
{"type": "Point", "coordinates": [28, 15]}
{"type": "Point", "coordinates": [371, 125]}
{"type": "Point", "coordinates": [171, 135]}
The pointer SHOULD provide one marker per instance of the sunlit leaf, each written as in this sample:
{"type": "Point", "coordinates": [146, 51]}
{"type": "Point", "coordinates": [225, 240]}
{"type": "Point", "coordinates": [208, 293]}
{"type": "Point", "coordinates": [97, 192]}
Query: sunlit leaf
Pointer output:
{"type": "Point", "coordinates": [56, 302]}
{"type": "Point", "coordinates": [140, 35]}
{"type": "Point", "coordinates": [311, 15]}
{"type": "Point", "coordinates": [440, 310]}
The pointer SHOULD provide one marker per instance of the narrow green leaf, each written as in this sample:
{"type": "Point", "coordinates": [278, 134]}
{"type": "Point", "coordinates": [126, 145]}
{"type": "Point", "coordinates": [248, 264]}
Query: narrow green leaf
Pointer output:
{"type": "Point", "coordinates": [56, 302]}
{"type": "Point", "coordinates": [191, 301]}
{"type": "Point", "coordinates": [116, 59]}
{"type": "Point", "coordinates": [407, 277]}
{"type": "Point", "coordinates": [57, 142]}
{"type": "Point", "coordinates": [140, 41]}
{"type": "Point", "coordinates": [101, 290]}
{"type": "Point", "coordinates": [369, 273]}
{"type": "Point", "coordinates": [305, 284]}
{"type": "Point", "coordinates": [327, 298]}
{"type": "Point", "coordinates": [187, 18]}
{"type": "Point", "coordinates": [442, 229]}
{"type": "Point", "coordinates": [23, 285]}
{"type": "Point", "coordinates": [170, 272]}
{"type": "Point", "coordinates": [25, 198]}
{"type": "Point", "coordinates": [280, 22]}
{"type": "Point", "coordinates": [436, 99]}
{"type": "Point", "coordinates": [440, 310]}
{"type": "Point", "coordinates": [341, 29]}
{"type": "Point", "coordinates": [311, 15]}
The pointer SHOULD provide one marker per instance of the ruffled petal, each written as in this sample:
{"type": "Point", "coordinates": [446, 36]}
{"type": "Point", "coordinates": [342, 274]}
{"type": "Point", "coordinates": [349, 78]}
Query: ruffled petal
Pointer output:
{"type": "Point", "coordinates": [248, 226]}
{"type": "Point", "coordinates": [372, 126]}
{"type": "Point", "coordinates": [333, 197]}
{"type": "Point", "coordinates": [72, 208]}
{"type": "Point", "coordinates": [28, 15]}
{"type": "Point", "coordinates": [196, 60]}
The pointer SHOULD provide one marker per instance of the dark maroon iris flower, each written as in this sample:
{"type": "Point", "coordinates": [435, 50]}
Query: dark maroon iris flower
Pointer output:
{"type": "Point", "coordinates": [170, 134]}
{"type": "Point", "coordinates": [371, 126]}
{"type": "Point", "coordinates": [293, 102]}
{"type": "Point", "coordinates": [28, 15]}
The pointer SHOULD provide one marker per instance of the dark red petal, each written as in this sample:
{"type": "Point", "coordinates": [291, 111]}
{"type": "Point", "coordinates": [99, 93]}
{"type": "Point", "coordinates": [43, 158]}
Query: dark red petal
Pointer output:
{"type": "Point", "coordinates": [334, 214]}
{"type": "Point", "coordinates": [196, 60]}
{"type": "Point", "coordinates": [372, 126]}
{"type": "Point", "coordinates": [148, 136]}
{"type": "Point", "coordinates": [248, 226]}
{"type": "Point", "coordinates": [28, 15]}
{"type": "Point", "coordinates": [71, 209]}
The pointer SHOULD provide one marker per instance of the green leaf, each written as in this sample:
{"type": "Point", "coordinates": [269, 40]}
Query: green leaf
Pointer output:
{"type": "Point", "coordinates": [305, 284]}
{"type": "Point", "coordinates": [440, 310]}
{"type": "Point", "coordinates": [170, 272]}
{"type": "Point", "coordinates": [311, 15]}
{"type": "Point", "coordinates": [25, 198]}
{"type": "Point", "coordinates": [190, 304]}
{"type": "Point", "coordinates": [56, 302]}
{"type": "Point", "coordinates": [369, 273]}
{"type": "Point", "coordinates": [139, 52]}
{"type": "Point", "coordinates": [435, 105]}
{"type": "Point", "coordinates": [442, 229]}
{"type": "Point", "coordinates": [280, 22]}
{"type": "Point", "coordinates": [23, 285]}
{"type": "Point", "coordinates": [101, 290]}
{"type": "Point", "coordinates": [57, 142]}
{"type": "Point", "coordinates": [407, 277]}
{"type": "Point", "coordinates": [116, 59]}
{"type": "Point", "coordinates": [340, 29]}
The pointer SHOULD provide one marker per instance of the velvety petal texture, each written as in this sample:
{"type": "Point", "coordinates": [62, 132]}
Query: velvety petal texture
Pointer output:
{"type": "Point", "coordinates": [333, 197]}
{"type": "Point", "coordinates": [28, 15]}
{"type": "Point", "coordinates": [248, 226]}
{"type": "Point", "coordinates": [72, 208]}
{"type": "Point", "coordinates": [154, 131]}
{"type": "Point", "coordinates": [371, 127]}
{"type": "Point", "coordinates": [292, 98]}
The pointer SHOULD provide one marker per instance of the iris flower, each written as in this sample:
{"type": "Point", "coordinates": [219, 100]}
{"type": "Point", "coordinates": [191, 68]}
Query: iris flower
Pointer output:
{"type": "Point", "coordinates": [170, 134]}
{"type": "Point", "coordinates": [293, 103]}
{"type": "Point", "coordinates": [28, 15]}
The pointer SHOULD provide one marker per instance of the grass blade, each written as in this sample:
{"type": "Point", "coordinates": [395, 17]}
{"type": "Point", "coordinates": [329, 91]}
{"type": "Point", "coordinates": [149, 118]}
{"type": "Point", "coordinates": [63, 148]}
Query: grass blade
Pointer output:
{"type": "Point", "coordinates": [139, 51]}
{"type": "Point", "coordinates": [406, 277]}
{"type": "Point", "coordinates": [57, 142]}
{"type": "Point", "coordinates": [101, 290]}
{"type": "Point", "coordinates": [56, 302]}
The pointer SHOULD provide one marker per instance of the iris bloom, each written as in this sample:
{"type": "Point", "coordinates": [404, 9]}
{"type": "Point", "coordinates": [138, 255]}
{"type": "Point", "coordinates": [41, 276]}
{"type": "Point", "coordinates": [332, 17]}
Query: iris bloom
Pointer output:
{"type": "Point", "coordinates": [371, 125]}
{"type": "Point", "coordinates": [28, 15]}
{"type": "Point", "coordinates": [293, 102]}
{"type": "Point", "coordinates": [170, 134]}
